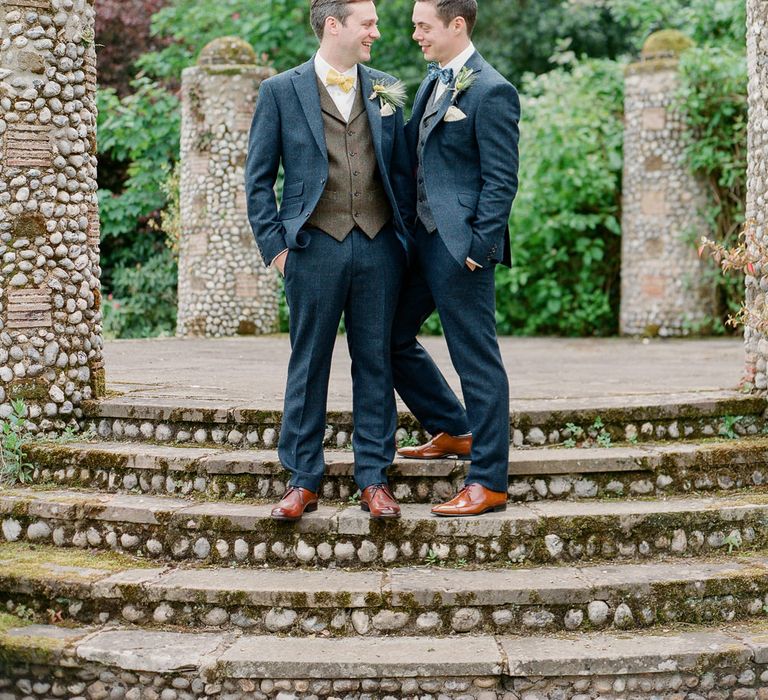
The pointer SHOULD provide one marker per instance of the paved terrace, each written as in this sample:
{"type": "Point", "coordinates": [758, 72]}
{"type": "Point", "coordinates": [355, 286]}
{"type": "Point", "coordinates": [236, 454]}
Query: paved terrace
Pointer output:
{"type": "Point", "coordinates": [544, 372]}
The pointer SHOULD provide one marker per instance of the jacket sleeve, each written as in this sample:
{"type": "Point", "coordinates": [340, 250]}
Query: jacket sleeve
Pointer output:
{"type": "Point", "coordinates": [403, 175]}
{"type": "Point", "coordinates": [498, 133]}
{"type": "Point", "coordinates": [261, 167]}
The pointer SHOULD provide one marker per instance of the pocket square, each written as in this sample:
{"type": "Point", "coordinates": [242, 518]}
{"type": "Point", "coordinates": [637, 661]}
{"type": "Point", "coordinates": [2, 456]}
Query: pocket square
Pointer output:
{"type": "Point", "coordinates": [454, 114]}
{"type": "Point", "coordinates": [387, 110]}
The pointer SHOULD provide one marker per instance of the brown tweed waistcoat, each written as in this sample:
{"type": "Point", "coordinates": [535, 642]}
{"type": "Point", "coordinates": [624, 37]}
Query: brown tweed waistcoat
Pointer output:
{"type": "Point", "coordinates": [353, 195]}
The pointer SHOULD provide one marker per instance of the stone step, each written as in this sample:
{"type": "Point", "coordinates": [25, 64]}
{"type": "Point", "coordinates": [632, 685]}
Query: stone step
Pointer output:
{"type": "Point", "coordinates": [534, 474]}
{"type": "Point", "coordinates": [342, 534]}
{"type": "Point", "coordinates": [104, 662]}
{"type": "Point", "coordinates": [673, 416]}
{"type": "Point", "coordinates": [97, 588]}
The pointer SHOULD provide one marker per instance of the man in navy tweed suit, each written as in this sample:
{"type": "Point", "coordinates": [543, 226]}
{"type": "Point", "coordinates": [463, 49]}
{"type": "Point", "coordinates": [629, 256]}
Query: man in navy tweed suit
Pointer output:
{"type": "Point", "coordinates": [463, 137]}
{"type": "Point", "coordinates": [339, 237]}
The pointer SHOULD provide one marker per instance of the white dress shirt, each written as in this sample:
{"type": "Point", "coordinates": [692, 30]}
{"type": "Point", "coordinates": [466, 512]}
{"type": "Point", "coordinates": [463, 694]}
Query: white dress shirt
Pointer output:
{"type": "Point", "coordinates": [342, 100]}
{"type": "Point", "coordinates": [457, 64]}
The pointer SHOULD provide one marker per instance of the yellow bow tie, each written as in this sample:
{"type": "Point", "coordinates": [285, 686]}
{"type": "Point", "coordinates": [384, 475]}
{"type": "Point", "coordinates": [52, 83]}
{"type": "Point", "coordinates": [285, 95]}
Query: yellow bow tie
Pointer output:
{"type": "Point", "coordinates": [345, 82]}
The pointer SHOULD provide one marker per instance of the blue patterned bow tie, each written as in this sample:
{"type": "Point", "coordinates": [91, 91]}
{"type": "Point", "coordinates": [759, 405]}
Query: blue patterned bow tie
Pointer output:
{"type": "Point", "coordinates": [445, 74]}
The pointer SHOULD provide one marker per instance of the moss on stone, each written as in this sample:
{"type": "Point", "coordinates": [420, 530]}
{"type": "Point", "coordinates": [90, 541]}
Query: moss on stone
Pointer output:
{"type": "Point", "coordinates": [227, 50]}
{"type": "Point", "coordinates": [22, 560]}
{"type": "Point", "coordinates": [666, 42]}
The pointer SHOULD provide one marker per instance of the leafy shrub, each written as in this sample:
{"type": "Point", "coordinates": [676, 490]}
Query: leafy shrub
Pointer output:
{"type": "Point", "coordinates": [143, 301]}
{"type": "Point", "coordinates": [714, 98]}
{"type": "Point", "coordinates": [138, 142]}
{"type": "Point", "coordinates": [565, 232]}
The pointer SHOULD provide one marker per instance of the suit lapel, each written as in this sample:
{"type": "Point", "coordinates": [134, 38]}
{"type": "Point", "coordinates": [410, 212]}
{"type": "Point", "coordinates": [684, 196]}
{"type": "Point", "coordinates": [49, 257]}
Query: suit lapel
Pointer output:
{"type": "Point", "coordinates": [305, 83]}
{"type": "Point", "coordinates": [422, 99]}
{"type": "Point", "coordinates": [474, 63]}
{"type": "Point", "coordinates": [373, 110]}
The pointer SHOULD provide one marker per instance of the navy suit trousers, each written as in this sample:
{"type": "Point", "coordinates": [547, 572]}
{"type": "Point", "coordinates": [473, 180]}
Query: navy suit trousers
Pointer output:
{"type": "Point", "coordinates": [466, 303]}
{"type": "Point", "coordinates": [360, 279]}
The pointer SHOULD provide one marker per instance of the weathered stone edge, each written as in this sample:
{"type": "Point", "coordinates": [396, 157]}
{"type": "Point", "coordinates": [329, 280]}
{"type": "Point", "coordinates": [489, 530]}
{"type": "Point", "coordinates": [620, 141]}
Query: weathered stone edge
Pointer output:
{"type": "Point", "coordinates": [537, 532]}
{"type": "Point", "coordinates": [629, 597]}
{"type": "Point", "coordinates": [221, 656]}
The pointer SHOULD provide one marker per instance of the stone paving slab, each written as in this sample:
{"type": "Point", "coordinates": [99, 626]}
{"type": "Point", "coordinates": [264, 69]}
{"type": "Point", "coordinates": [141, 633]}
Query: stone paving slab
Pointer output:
{"type": "Point", "coordinates": [404, 657]}
{"type": "Point", "coordinates": [351, 519]}
{"type": "Point", "coordinates": [314, 589]}
{"type": "Point", "coordinates": [421, 586]}
{"type": "Point", "coordinates": [590, 655]}
{"type": "Point", "coordinates": [522, 462]}
{"type": "Point", "coordinates": [151, 651]}
{"type": "Point", "coordinates": [252, 371]}
{"type": "Point", "coordinates": [226, 656]}
{"type": "Point", "coordinates": [240, 516]}
{"type": "Point", "coordinates": [624, 408]}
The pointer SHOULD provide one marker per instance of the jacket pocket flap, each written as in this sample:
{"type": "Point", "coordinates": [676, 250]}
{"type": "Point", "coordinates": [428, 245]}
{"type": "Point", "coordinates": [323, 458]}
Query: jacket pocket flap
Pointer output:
{"type": "Point", "coordinates": [468, 199]}
{"type": "Point", "coordinates": [292, 210]}
{"type": "Point", "coordinates": [293, 189]}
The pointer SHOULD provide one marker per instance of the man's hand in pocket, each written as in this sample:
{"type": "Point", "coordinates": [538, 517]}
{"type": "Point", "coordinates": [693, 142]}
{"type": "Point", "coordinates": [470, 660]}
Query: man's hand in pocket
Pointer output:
{"type": "Point", "coordinates": [279, 262]}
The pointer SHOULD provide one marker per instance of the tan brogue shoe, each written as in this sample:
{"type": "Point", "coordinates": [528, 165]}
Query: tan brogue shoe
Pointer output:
{"type": "Point", "coordinates": [441, 445]}
{"type": "Point", "coordinates": [473, 499]}
{"type": "Point", "coordinates": [379, 502]}
{"type": "Point", "coordinates": [295, 502]}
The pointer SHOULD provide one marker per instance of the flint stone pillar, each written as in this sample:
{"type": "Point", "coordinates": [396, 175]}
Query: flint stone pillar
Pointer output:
{"type": "Point", "coordinates": [757, 190]}
{"type": "Point", "coordinates": [224, 288]}
{"type": "Point", "coordinates": [664, 288]}
{"type": "Point", "coordinates": [50, 320]}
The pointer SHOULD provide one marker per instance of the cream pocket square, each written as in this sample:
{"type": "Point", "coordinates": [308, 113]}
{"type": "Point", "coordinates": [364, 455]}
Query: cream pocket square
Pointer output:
{"type": "Point", "coordinates": [454, 114]}
{"type": "Point", "coordinates": [387, 110]}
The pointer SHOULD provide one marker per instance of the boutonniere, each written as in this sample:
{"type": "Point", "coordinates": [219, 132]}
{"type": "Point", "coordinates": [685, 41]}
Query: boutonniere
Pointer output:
{"type": "Point", "coordinates": [390, 95]}
{"type": "Point", "coordinates": [464, 80]}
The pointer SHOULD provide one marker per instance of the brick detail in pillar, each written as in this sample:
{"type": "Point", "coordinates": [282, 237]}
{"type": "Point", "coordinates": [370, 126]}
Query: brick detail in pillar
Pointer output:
{"type": "Point", "coordinates": [224, 288]}
{"type": "Point", "coordinates": [664, 290]}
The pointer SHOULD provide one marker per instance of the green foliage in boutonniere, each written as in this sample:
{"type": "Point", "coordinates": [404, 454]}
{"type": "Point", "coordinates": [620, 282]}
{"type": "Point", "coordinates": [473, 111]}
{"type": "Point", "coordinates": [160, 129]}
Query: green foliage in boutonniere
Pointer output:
{"type": "Point", "coordinates": [391, 93]}
{"type": "Point", "coordinates": [464, 80]}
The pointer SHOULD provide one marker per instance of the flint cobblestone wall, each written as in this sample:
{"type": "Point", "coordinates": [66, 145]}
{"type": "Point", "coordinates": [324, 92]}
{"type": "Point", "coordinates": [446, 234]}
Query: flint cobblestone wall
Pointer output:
{"type": "Point", "coordinates": [50, 319]}
{"type": "Point", "coordinates": [224, 288]}
{"type": "Point", "coordinates": [757, 185]}
{"type": "Point", "coordinates": [664, 288]}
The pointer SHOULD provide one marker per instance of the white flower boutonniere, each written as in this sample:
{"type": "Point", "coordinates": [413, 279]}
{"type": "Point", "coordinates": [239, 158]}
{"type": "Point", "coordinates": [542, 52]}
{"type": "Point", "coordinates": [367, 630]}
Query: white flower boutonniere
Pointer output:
{"type": "Point", "coordinates": [390, 95]}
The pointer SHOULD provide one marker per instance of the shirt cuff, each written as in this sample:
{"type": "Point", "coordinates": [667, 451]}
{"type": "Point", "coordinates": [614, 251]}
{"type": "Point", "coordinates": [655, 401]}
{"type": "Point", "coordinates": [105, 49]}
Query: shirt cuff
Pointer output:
{"type": "Point", "coordinates": [474, 263]}
{"type": "Point", "coordinates": [272, 264]}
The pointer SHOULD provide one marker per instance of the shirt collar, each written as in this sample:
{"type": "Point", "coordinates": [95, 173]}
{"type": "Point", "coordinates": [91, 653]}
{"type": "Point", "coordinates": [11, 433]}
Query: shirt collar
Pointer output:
{"type": "Point", "coordinates": [458, 63]}
{"type": "Point", "coordinates": [322, 67]}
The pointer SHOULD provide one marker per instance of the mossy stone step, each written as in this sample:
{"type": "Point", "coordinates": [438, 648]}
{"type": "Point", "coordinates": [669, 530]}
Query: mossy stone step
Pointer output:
{"type": "Point", "coordinates": [87, 661]}
{"type": "Point", "coordinates": [343, 535]}
{"type": "Point", "coordinates": [97, 588]}
{"type": "Point", "coordinates": [534, 474]}
{"type": "Point", "coordinates": [670, 416]}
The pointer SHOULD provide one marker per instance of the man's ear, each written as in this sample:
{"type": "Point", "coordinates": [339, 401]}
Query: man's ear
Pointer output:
{"type": "Point", "coordinates": [332, 25]}
{"type": "Point", "coordinates": [459, 25]}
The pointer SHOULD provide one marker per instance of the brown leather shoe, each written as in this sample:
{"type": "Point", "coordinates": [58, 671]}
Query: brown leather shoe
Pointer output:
{"type": "Point", "coordinates": [295, 502]}
{"type": "Point", "coordinates": [441, 445]}
{"type": "Point", "coordinates": [473, 499]}
{"type": "Point", "coordinates": [379, 502]}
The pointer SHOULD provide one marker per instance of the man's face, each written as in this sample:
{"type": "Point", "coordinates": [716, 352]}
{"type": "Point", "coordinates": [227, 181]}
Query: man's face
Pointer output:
{"type": "Point", "coordinates": [437, 42]}
{"type": "Point", "coordinates": [356, 36]}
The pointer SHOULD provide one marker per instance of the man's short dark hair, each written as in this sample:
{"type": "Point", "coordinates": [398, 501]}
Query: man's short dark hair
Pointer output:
{"type": "Point", "coordinates": [448, 10]}
{"type": "Point", "coordinates": [321, 10]}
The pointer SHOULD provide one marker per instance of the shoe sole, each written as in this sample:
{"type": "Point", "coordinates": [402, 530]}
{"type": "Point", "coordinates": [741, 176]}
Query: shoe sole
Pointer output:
{"type": "Point", "coordinates": [366, 509]}
{"type": "Point", "coordinates": [446, 455]}
{"type": "Point", "coordinates": [494, 509]}
{"type": "Point", "coordinates": [311, 508]}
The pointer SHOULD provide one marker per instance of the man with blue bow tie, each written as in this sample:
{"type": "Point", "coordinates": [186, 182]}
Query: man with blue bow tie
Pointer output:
{"type": "Point", "coordinates": [339, 239]}
{"type": "Point", "coordinates": [463, 136]}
